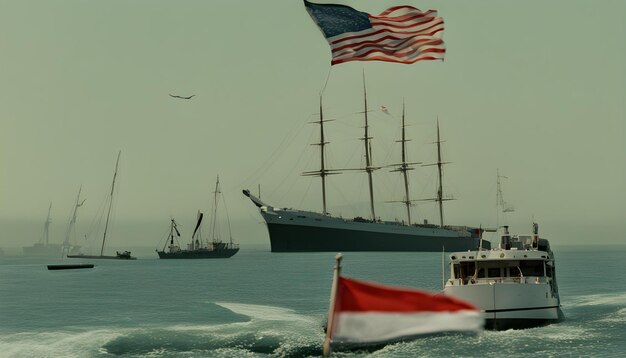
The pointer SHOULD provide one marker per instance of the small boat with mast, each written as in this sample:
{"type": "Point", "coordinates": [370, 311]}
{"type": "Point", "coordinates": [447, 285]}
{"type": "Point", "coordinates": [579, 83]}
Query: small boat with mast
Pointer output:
{"type": "Point", "coordinates": [198, 248]}
{"type": "Point", "coordinates": [125, 255]}
{"type": "Point", "coordinates": [292, 230]}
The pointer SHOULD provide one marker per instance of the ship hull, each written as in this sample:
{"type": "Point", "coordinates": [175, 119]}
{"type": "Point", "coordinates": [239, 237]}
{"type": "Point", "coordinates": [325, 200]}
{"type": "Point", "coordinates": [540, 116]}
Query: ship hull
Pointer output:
{"type": "Point", "coordinates": [298, 231]}
{"type": "Point", "coordinates": [511, 305]}
{"type": "Point", "coordinates": [101, 257]}
{"type": "Point", "coordinates": [198, 254]}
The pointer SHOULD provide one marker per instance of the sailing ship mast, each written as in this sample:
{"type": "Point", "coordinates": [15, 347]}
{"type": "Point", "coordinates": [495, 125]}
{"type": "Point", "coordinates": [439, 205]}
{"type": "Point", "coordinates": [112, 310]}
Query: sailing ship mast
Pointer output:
{"type": "Point", "coordinates": [439, 169]}
{"type": "Point", "coordinates": [440, 198]}
{"type": "Point", "coordinates": [323, 171]}
{"type": "Point", "coordinates": [368, 153]}
{"type": "Point", "coordinates": [404, 167]}
{"type": "Point", "coordinates": [66, 243]}
{"type": "Point", "coordinates": [106, 225]}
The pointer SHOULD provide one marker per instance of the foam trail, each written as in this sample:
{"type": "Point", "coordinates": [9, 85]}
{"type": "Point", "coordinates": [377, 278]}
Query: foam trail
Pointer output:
{"type": "Point", "coordinates": [613, 299]}
{"type": "Point", "coordinates": [55, 344]}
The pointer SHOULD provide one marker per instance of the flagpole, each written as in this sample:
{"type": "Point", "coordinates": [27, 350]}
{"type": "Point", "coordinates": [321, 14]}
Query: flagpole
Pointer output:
{"type": "Point", "coordinates": [331, 306]}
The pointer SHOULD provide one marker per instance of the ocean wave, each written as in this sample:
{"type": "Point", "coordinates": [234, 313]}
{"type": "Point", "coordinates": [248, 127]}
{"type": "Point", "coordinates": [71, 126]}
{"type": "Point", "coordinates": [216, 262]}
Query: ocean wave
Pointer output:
{"type": "Point", "coordinates": [607, 299]}
{"type": "Point", "coordinates": [617, 317]}
{"type": "Point", "coordinates": [270, 331]}
{"type": "Point", "coordinates": [56, 344]}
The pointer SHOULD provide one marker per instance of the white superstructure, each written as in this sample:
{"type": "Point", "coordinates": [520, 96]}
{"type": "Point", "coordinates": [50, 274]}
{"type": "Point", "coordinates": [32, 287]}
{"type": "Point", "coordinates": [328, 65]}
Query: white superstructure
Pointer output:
{"type": "Point", "coordinates": [514, 285]}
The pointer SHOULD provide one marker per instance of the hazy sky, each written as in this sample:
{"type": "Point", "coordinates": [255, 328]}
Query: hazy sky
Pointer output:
{"type": "Point", "coordinates": [534, 88]}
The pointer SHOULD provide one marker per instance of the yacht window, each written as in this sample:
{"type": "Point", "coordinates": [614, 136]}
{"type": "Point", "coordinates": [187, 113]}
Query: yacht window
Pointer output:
{"type": "Point", "coordinates": [514, 272]}
{"type": "Point", "coordinates": [464, 269]}
{"type": "Point", "coordinates": [532, 268]}
{"type": "Point", "coordinates": [493, 272]}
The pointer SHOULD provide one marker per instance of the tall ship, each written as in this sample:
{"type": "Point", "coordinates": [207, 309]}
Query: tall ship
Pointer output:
{"type": "Point", "coordinates": [199, 248]}
{"type": "Point", "coordinates": [124, 255]}
{"type": "Point", "coordinates": [43, 247]}
{"type": "Point", "coordinates": [514, 285]}
{"type": "Point", "coordinates": [292, 230]}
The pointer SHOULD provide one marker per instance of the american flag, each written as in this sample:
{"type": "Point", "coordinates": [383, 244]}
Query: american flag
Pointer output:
{"type": "Point", "coordinates": [401, 34]}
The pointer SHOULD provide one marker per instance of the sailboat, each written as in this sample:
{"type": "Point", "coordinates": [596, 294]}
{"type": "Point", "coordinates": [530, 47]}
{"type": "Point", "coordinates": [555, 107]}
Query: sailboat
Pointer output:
{"type": "Point", "coordinates": [119, 255]}
{"type": "Point", "coordinates": [67, 247]}
{"type": "Point", "coordinates": [292, 230]}
{"type": "Point", "coordinates": [199, 248]}
{"type": "Point", "coordinates": [43, 247]}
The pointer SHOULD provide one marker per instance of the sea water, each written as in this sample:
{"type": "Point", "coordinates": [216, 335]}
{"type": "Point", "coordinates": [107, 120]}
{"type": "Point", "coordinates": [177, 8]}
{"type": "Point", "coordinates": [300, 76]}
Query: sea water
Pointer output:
{"type": "Point", "coordinates": [259, 304]}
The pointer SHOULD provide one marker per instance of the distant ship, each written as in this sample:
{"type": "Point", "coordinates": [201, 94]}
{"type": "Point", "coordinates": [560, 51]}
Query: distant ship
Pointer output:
{"type": "Point", "coordinates": [44, 247]}
{"type": "Point", "coordinates": [199, 248]}
{"type": "Point", "coordinates": [292, 230]}
{"type": "Point", "coordinates": [125, 255]}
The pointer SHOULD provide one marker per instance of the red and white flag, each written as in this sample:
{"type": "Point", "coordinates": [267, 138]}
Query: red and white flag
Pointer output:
{"type": "Point", "coordinates": [369, 313]}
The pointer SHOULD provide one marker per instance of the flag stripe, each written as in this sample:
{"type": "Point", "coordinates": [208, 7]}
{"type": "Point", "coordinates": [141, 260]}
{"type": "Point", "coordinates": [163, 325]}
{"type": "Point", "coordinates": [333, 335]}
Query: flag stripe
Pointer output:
{"type": "Point", "coordinates": [360, 296]}
{"type": "Point", "coordinates": [387, 38]}
{"type": "Point", "coordinates": [425, 54]}
{"type": "Point", "coordinates": [381, 327]}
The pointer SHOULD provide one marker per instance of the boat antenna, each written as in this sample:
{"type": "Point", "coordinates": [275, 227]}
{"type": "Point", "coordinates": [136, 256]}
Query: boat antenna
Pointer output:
{"type": "Point", "coordinates": [106, 225]}
{"type": "Point", "coordinates": [500, 202]}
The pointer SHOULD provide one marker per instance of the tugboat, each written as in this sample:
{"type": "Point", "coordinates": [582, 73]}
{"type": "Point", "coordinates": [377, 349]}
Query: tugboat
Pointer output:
{"type": "Point", "coordinates": [514, 285]}
{"type": "Point", "coordinates": [198, 248]}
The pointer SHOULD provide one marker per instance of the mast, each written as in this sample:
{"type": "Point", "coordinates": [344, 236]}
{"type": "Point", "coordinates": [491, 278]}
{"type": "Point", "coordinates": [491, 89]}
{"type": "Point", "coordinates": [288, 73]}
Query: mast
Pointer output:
{"type": "Point", "coordinates": [214, 221]}
{"type": "Point", "coordinates": [70, 226]}
{"type": "Point", "coordinates": [504, 206]}
{"type": "Point", "coordinates": [404, 167]}
{"type": "Point", "coordinates": [323, 171]}
{"type": "Point", "coordinates": [439, 169]}
{"type": "Point", "coordinates": [46, 226]}
{"type": "Point", "coordinates": [368, 149]}
{"type": "Point", "coordinates": [106, 225]}
{"type": "Point", "coordinates": [440, 198]}
{"type": "Point", "coordinates": [404, 171]}
{"type": "Point", "coordinates": [322, 159]}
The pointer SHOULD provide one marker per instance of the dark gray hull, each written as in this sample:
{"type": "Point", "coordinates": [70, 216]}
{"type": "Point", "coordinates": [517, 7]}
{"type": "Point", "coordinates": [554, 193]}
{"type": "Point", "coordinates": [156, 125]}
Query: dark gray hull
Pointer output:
{"type": "Point", "coordinates": [298, 238]}
{"type": "Point", "coordinates": [293, 230]}
{"type": "Point", "coordinates": [101, 257]}
{"type": "Point", "coordinates": [199, 254]}
{"type": "Point", "coordinates": [70, 266]}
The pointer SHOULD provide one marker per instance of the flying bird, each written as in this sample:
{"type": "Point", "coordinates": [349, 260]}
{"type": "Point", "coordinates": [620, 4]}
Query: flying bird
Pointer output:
{"type": "Point", "coordinates": [384, 110]}
{"type": "Point", "coordinates": [182, 97]}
